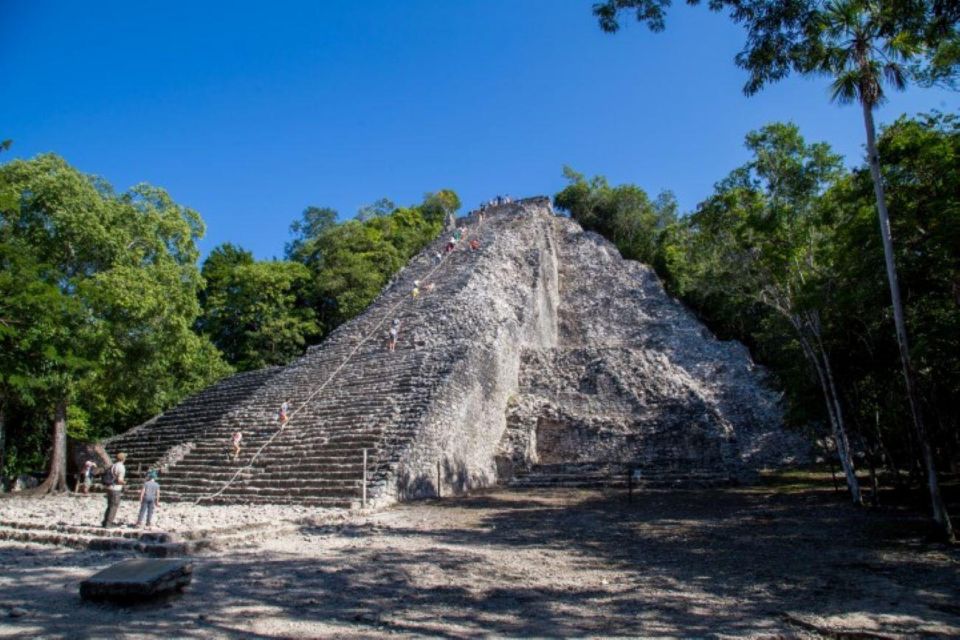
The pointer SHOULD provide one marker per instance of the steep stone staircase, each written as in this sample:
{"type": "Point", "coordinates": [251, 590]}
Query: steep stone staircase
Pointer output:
{"type": "Point", "coordinates": [148, 444]}
{"type": "Point", "coordinates": [374, 403]}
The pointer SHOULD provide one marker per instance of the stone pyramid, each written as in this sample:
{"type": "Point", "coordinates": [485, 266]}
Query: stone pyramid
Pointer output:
{"type": "Point", "coordinates": [541, 358]}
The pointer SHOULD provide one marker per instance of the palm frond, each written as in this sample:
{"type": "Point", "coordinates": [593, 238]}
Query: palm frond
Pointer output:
{"type": "Point", "coordinates": [896, 75]}
{"type": "Point", "coordinates": [846, 87]}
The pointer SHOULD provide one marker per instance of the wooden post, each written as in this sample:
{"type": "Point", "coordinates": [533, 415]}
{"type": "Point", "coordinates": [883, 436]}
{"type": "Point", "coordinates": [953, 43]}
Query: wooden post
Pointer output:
{"type": "Point", "coordinates": [363, 502]}
{"type": "Point", "coordinates": [439, 493]}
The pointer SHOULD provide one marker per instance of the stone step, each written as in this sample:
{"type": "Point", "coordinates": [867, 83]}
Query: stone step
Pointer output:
{"type": "Point", "coordinates": [252, 498]}
{"type": "Point", "coordinates": [311, 485]}
{"type": "Point", "coordinates": [567, 481]}
{"type": "Point", "coordinates": [104, 540]}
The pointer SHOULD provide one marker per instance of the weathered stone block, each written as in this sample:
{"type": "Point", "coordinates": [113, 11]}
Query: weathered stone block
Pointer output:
{"type": "Point", "coordinates": [137, 579]}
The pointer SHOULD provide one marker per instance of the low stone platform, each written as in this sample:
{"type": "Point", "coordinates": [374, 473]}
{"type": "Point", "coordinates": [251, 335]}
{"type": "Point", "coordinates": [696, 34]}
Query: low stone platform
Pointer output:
{"type": "Point", "coordinates": [183, 528]}
{"type": "Point", "coordinates": [158, 544]}
{"type": "Point", "coordinates": [137, 579]}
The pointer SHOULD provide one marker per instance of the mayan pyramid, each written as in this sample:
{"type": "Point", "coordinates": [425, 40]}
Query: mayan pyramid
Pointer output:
{"type": "Point", "coordinates": [541, 358]}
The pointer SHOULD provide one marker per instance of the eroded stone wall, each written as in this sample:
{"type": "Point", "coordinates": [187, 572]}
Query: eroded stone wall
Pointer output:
{"type": "Point", "coordinates": [636, 381]}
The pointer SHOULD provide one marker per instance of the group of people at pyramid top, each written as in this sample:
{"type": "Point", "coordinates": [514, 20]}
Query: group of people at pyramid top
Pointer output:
{"type": "Point", "coordinates": [495, 202]}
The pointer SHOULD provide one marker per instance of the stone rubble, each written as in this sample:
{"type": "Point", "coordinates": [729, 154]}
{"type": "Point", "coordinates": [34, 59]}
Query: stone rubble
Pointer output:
{"type": "Point", "coordinates": [638, 389]}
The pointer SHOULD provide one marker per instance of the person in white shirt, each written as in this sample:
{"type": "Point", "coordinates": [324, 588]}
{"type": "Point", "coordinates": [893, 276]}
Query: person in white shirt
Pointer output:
{"type": "Point", "coordinates": [114, 479]}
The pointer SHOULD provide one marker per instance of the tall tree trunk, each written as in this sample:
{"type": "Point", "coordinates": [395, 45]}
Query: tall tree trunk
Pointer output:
{"type": "Point", "coordinates": [57, 477]}
{"type": "Point", "coordinates": [3, 436]}
{"type": "Point", "coordinates": [939, 508]}
{"type": "Point", "coordinates": [833, 412]}
{"type": "Point", "coordinates": [886, 457]}
{"type": "Point", "coordinates": [813, 322]}
{"type": "Point", "coordinates": [874, 483]}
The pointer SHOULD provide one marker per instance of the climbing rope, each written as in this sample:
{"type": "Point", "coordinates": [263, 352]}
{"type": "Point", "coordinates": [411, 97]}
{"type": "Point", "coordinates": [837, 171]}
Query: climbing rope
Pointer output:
{"type": "Point", "coordinates": [390, 312]}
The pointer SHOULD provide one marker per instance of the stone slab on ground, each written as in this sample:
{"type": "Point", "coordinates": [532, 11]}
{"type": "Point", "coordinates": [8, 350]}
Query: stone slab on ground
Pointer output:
{"type": "Point", "coordinates": [137, 579]}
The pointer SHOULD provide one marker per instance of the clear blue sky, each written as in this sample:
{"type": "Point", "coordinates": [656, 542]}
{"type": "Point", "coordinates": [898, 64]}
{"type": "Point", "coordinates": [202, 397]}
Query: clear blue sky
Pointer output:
{"type": "Point", "coordinates": [248, 112]}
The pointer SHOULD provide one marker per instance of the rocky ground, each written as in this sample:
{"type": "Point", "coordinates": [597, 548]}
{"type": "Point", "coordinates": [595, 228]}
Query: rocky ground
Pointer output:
{"type": "Point", "coordinates": [768, 562]}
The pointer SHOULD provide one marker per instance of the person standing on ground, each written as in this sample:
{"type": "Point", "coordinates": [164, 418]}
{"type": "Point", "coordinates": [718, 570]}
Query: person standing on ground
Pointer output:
{"type": "Point", "coordinates": [86, 477]}
{"type": "Point", "coordinates": [114, 479]}
{"type": "Point", "coordinates": [235, 441]}
{"type": "Point", "coordinates": [149, 499]}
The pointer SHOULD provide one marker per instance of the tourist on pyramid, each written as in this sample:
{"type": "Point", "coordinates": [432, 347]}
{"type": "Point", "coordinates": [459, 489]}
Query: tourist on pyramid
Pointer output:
{"type": "Point", "coordinates": [437, 258]}
{"type": "Point", "coordinates": [474, 244]}
{"type": "Point", "coordinates": [149, 499]}
{"type": "Point", "coordinates": [282, 414]}
{"type": "Point", "coordinates": [451, 243]}
{"type": "Point", "coordinates": [235, 441]}
{"type": "Point", "coordinates": [113, 479]}
{"type": "Point", "coordinates": [416, 289]}
{"type": "Point", "coordinates": [394, 334]}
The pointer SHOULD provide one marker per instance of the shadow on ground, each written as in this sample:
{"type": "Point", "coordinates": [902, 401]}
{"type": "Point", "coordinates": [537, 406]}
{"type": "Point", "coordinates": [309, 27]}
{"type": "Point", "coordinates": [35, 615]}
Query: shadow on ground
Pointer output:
{"type": "Point", "coordinates": [548, 564]}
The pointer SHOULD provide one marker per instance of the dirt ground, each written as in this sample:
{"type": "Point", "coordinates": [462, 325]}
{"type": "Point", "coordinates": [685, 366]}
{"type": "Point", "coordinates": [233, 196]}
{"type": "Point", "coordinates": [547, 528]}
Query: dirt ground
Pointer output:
{"type": "Point", "coordinates": [762, 562]}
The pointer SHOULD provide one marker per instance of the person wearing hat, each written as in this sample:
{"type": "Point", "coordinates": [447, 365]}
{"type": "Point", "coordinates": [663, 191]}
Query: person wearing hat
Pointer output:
{"type": "Point", "coordinates": [149, 499]}
{"type": "Point", "coordinates": [113, 479]}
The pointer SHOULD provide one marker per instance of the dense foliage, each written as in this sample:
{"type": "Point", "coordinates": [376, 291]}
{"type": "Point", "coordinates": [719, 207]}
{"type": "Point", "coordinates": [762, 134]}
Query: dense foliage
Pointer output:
{"type": "Point", "coordinates": [255, 312]}
{"type": "Point", "coordinates": [351, 262]}
{"type": "Point", "coordinates": [98, 294]}
{"type": "Point", "coordinates": [864, 47]}
{"type": "Point", "coordinates": [265, 313]}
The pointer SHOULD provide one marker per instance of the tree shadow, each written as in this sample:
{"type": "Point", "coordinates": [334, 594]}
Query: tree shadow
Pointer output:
{"type": "Point", "coordinates": [665, 564]}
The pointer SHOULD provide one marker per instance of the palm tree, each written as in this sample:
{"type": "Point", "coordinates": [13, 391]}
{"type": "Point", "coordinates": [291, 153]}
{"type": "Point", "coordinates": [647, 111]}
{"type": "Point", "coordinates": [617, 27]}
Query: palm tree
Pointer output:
{"type": "Point", "coordinates": [861, 54]}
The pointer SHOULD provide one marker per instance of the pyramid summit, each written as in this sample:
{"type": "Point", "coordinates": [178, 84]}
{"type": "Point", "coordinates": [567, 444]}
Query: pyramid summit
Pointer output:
{"type": "Point", "coordinates": [540, 357]}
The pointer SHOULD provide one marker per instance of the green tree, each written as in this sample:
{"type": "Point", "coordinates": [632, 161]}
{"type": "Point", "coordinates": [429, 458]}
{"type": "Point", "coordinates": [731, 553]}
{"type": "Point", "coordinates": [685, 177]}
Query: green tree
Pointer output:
{"type": "Point", "coordinates": [99, 292]}
{"type": "Point", "coordinates": [441, 206]}
{"type": "Point", "coordinates": [380, 208]}
{"type": "Point", "coordinates": [313, 223]}
{"type": "Point", "coordinates": [860, 54]}
{"type": "Point", "coordinates": [351, 262]}
{"type": "Point", "coordinates": [624, 214]}
{"type": "Point", "coordinates": [760, 238]}
{"type": "Point", "coordinates": [218, 274]}
{"type": "Point", "coordinates": [256, 312]}
{"type": "Point", "coordinates": [919, 156]}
